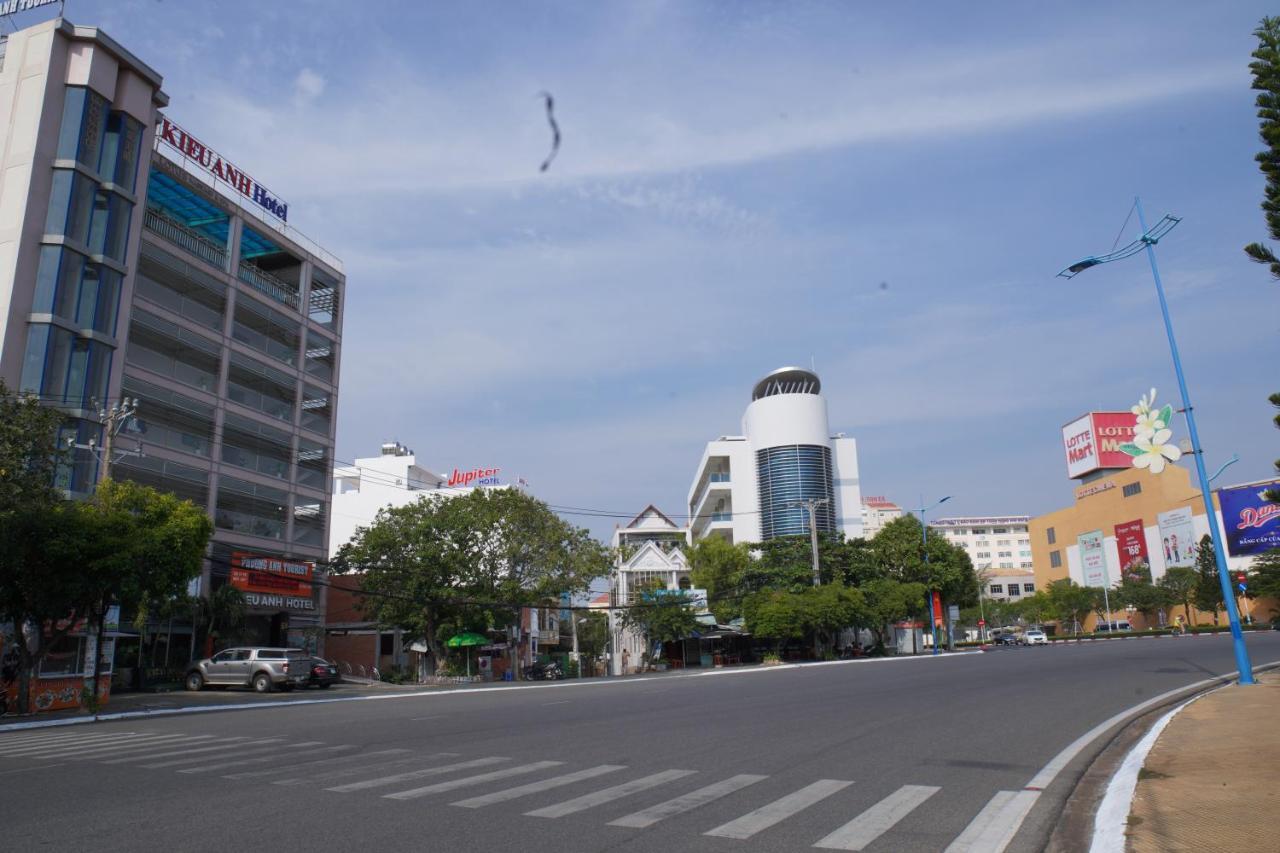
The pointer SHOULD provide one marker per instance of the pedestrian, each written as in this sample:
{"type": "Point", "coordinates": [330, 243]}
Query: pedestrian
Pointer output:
{"type": "Point", "coordinates": [626, 660]}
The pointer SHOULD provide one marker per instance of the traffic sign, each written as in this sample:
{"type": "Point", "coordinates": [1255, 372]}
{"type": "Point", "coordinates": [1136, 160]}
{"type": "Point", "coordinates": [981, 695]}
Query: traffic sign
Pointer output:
{"type": "Point", "coordinates": [982, 621]}
{"type": "Point", "coordinates": [1243, 587]}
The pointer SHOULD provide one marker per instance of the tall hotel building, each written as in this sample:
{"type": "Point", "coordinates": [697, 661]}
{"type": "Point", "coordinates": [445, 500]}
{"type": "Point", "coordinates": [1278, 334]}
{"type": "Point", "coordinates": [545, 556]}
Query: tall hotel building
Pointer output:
{"type": "Point", "coordinates": [136, 262]}
{"type": "Point", "coordinates": [754, 487]}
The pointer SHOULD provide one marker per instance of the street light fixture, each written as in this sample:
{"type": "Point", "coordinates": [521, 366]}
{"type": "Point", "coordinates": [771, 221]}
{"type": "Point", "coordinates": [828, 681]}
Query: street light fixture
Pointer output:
{"type": "Point", "coordinates": [924, 544]}
{"type": "Point", "coordinates": [1148, 241]}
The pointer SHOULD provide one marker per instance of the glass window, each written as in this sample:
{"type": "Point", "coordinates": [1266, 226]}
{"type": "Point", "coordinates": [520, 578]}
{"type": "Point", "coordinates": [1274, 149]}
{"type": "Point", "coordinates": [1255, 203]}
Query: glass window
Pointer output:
{"type": "Point", "coordinates": [322, 356]}
{"type": "Point", "coordinates": [1053, 536]}
{"type": "Point", "coordinates": [84, 115]}
{"type": "Point", "coordinates": [248, 444]}
{"type": "Point", "coordinates": [118, 162]}
{"type": "Point", "coordinates": [63, 657]}
{"type": "Point", "coordinates": [261, 388]}
{"type": "Point", "coordinates": [163, 347]}
{"type": "Point", "coordinates": [266, 330]}
{"type": "Point", "coordinates": [71, 205]}
{"type": "Point", "coordinates": [1055, 559]}
{"type": "Point", "coordinates": [224, 657]}
{"type": "Point", "coordinates": [181, 287]}
{"type": "Point", "coordinates": [996, 589]}
{"type": "Point", "coordinates": [979, 531]}
{"type": "Point", "coordinates": [184, 481]}
{"type": "Point", "coordinates": [1013, 587]}
{"type": "Point", "coordinates": [169, 419]}
{"type": "Point", "coordinates": [308, 523]}
{"type": "Point", "coordinates": [1028, 588]}
{"type": "Point", "coordinates": [245, 507]}
{"type": "Point", "coordinates": [1132, 489]}
{"type": "Point", "coordinates": [323, 307]}
{"type": "Point", "coordinates": [69, 286]}
{"type": "Point", "coordinates": [33, 362]}
{"type": "Point", "coordinates": [313, 464]}
{"type": "Point", "coordinates": [317, 410]}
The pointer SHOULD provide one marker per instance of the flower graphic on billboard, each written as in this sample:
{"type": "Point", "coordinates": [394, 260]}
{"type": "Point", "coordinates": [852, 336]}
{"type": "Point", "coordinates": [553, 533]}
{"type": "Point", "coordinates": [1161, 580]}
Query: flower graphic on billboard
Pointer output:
{"type": "Point", "coordinates": [1150, 448]}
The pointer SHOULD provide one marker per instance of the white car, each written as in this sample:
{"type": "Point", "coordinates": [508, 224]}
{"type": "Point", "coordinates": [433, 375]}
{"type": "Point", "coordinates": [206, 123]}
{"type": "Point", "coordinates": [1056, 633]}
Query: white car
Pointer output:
{"type": "Point", "coordinates": [1034, 638]}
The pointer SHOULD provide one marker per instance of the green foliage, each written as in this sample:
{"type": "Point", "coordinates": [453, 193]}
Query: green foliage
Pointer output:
{"type": "Point", "coordinates": [887, 600]}
{"type": "Point", "coordinates": [1208, 592]}
{"type": "Point", "coordinates": [1070, 603]}
{"type": "Point", "coordinates": [814, 611]}
{"type": "Point", "coordinates": [897, 552]}
{"type": "Point", "coordinates": [1035, 609]}
{"type": "Point", "coordinates": [1179, 583]}
{"type": "Point", "coordinates": [719, 567]}
{"type": "Point", "coordinates": [28, 453]}
{"type": "Point", "coordinates": [1264, 575]}
{"type": "Point", "coordinates": [662, 616]}
{"type": "Point", "coordinates": [1143, 596]}
{"type": "Point", "coordinates": [593, 633]}
{"type": "Point", "coordinates": [1266, 80]}
{"type": "Point", "coordinates": [471, 560]}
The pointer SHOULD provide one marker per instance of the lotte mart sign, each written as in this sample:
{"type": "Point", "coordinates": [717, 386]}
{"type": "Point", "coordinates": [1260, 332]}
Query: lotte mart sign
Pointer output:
{"type": "Point", "coordinates": [1092, 442]}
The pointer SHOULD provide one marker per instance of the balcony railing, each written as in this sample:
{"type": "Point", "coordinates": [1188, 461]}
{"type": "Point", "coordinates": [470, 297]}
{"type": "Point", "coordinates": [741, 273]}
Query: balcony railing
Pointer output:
{"type": "Point", "coordinates": [185, 238]}
{"type": "Point", "coordinates": [714, 477]}
{"type": "Point", "coordinates": [264, 282]}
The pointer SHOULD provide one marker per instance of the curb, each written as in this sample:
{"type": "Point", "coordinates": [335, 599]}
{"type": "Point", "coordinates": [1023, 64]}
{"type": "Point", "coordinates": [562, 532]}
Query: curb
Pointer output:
{"type": "Point", "coordinates": [465, 691]}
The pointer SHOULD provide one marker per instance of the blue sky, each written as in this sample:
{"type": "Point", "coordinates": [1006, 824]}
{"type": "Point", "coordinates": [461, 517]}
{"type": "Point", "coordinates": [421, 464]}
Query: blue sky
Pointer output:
{"type": "Point", "coordinates": [737, 180]}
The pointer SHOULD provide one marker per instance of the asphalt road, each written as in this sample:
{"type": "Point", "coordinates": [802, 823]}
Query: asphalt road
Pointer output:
{"type": "Point", "coordinates": [893, 755]}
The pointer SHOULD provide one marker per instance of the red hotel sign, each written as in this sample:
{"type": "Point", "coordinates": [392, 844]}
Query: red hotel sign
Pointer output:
{"type": "Point", "coordinates": [212, 162]}
{"type": "Point", "coordinates": [271, 575]}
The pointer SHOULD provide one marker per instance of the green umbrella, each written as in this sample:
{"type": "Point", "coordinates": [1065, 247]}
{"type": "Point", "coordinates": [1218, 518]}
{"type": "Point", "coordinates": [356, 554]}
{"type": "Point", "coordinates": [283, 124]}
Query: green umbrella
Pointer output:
{"type": "Point", "coordinates": [467, 639]}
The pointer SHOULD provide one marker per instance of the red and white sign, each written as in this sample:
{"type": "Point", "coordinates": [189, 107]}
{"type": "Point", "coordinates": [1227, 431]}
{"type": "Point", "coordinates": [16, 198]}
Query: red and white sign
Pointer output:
{"type": "Point", "coordinates": [271, 575]}
{"type": "Point", "coordinates": [1131, 541]}
{"type": "Point", "coordinates": [212, 162]}
{"type": "Point", "coordinates": [1093, 441]}
{"type": "Point", "coordinates": [474, 477]}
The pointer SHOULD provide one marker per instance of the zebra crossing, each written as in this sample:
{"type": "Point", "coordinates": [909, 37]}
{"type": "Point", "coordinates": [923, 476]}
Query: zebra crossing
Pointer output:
{"type": "Point", "coordinates": [404, 775]}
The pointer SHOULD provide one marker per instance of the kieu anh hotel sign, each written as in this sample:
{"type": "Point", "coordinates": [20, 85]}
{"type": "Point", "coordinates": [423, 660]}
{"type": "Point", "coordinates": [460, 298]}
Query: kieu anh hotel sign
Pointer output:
{"type": "Point", "coordinates": [1093, 441]}
{"type": "Point", "coordinates": [218, 166]}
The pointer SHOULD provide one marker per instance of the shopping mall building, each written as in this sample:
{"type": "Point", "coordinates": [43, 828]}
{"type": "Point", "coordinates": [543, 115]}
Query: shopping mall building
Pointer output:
{"type": "Point", "coordinates": [756, 486]}
{"type": "Point", "coordinates": [1124, 517]}
{"type": "Point", "coordinates": [137, 262]}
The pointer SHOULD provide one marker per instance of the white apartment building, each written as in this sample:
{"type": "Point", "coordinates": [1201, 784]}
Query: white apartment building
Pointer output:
{"type": "Point", "coordinates": [754, 486]}
{"type": "Point", "coordinates": [877, 511]}
{"type": "Point", "coordinates": [995, 543]}
{"type": "Point", "coordinates": [1006, 585]}
{"type": "Point", "coordinates": [649, 549]}
{"type": "Point", "coordinates": [392, 478]}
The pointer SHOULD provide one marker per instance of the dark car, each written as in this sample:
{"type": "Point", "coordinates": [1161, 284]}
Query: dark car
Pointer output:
{"type": "Point", "coordinates": [321, 673]}
{"type": "Point", "coordinates": [1009, 639]}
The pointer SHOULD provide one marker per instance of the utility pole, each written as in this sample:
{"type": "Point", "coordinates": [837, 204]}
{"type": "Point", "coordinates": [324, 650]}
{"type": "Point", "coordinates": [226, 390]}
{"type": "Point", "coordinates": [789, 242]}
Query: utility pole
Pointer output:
{"type": "Point", "coordinates": [113, 420]}
{"type": "Point", "coordinates": [573, 620]}
{"type": "Point", "coordinates": [811, 504]}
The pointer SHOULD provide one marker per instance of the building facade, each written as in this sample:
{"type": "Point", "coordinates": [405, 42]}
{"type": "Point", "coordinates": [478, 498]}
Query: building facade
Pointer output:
{"type": "Point", "coordinates": [138, 263]}
{"type": "Point", "coordinates": [650, 556]}
{"type": "Point", "coordinates": [996, 544]}
{"type": "Point", "coordinates": [876, 513]}
{"type": "Point", "coordinates": [759, 485]}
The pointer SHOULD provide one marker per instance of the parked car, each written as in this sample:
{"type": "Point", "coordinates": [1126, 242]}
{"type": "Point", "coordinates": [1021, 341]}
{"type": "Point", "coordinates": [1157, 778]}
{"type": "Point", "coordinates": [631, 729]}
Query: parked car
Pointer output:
{"type": "Point", "coordinates": [263, 669]}
{"type": "Point", "coordinates": [1114, 627]}
{"type": "Point", "coordinates": [1007, 638]}
{"type": "Point", "coordinates": [1034, 637]}
{"type": "Point", "coordinates": [321, 673]}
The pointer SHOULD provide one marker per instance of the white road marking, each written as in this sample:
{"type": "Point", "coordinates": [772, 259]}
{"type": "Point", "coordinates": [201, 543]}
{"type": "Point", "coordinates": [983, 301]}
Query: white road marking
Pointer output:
{"type": "Point", "coordinates": [221, 743]}
{"type": "Point", "coordinates": [417, 774]}
{"type": "Point", "coordinates": [241, 762]}
{"type": "Point", "coordinates": [468, 781]}
{"type": "Point", "coordinates": [994, 827]}
{"type": "Point", "coordinates": [535, 787]}
{"type": "Point", "coordinates": [608, 795]}
{"type": "Point", "coordinates": [258, 749]}
{"type": "Point", "coordinates": [559, 702]}
{"type": "Point", "coordinates": [877, 820]}
{"type": "Point", "coordinates": [33, 748]}
{"type": "Point", "coordinates": [688, 802]}
{"type": "Point", "coordinates": [363, 769]}
{"type": "Point", "coordinates": [779, 810]}
{"type": "Point", "coordinates": [289, 768]}
{"type": "Point", "coordinates": [29, 769]}
{"type": "Point", "coordinates": [54, 737]}
{"type": "Point", "coordinates": [141, 744]}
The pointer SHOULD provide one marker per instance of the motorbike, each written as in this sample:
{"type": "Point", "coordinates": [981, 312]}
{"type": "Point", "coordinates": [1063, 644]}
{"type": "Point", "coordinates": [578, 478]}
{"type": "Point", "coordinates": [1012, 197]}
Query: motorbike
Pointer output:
{"type": "Point", "coordinates": [543, 672]}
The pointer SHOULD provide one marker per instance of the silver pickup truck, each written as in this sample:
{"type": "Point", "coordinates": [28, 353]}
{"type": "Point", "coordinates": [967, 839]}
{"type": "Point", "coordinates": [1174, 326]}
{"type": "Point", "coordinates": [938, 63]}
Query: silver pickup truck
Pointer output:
{"type": "Point", "coordinates": [262, 668]}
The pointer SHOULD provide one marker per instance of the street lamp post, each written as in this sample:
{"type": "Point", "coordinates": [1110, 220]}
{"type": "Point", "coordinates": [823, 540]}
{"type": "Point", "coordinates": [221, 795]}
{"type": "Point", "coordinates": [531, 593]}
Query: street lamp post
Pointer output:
{"type": "Point", "coordinates": [924, 545]}
{"type": "Point", "coordinates": [1148, 240]}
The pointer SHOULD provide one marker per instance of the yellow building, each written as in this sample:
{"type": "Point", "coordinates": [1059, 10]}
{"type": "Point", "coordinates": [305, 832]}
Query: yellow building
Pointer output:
{"type": "Point", "coordinates": [1138, 503]}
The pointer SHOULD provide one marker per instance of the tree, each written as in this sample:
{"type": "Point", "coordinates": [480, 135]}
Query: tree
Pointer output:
{"type": "Point", "coordinates": [1266, 79]}
{"type": "Point", "coordinates": [719, 567]}
{"type": "Point", "coordinates": [593, 634]}
{"type": "Point", "coordinates": [28, 453]}
{"type": "Point", "coordinates": [1035, 609]}
{"type": "Point", "coordinates": [1180, 583]}
{"type": "Point", "coordinates": [1069, 602]}
{"type": "Point", "coordinates": [1208, 594]}
{"type": "Point", "coordinates": [662, 615]}
{"type": "Point", "coordinates": [887, 601]}
{"type": "Point", "coordinates": [62, 567]}
{"type": "Point", "coordinates": [1264, 575]}
{"type": "Point", "coordinates": [776, 614]}
{"type": "Point", "coordinates": [1143, 596]}
{"type": "Point", "coordinates": [478, 557]}
{"type": "Point", "coordinates": [898, 553]}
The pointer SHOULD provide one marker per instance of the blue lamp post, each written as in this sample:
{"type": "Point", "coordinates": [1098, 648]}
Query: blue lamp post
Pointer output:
{"type": "Point", "coordinates": [1148, 241]}
{"type": "Point", "coordinates": [924, 542]}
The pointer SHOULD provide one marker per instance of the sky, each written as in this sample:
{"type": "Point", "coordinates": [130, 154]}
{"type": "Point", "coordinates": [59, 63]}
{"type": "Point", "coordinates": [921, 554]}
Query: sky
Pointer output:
{"type": "Point", "coordinates": [882, 191]}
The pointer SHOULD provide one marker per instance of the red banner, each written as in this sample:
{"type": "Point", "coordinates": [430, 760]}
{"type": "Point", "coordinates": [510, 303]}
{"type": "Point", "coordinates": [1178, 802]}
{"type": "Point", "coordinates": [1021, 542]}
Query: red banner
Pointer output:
{"type": "Point", "coordinates": [271, 575]}
{"type": "Point", "coordinates": [1113, 429]}
{"type": "Point", "coordinates": [937, 608]}
{"type": "Point", "coordinates": [1131, 541]}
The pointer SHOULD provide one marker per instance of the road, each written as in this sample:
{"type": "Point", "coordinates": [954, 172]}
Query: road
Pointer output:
{"type": "Point", "coordinates": [892, 755]}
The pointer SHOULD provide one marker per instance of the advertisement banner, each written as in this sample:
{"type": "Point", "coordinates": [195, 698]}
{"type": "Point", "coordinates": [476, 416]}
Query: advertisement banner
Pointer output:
{"type": "Point", "coordinates": [1080, 447]}
{"type": "Point", "coordinates": [1093, 559]}
{"type": "Point", "coordinates": [271, 575]}
{"type": "Point", "coordinates": [937, 608]}
{"type": "Point", "coordinates": [1110, 430]}
{"type": "Point", "coordinates": [1177, 537]}
{"type": "Point", "coordinates": [1131, 541]}
{"type": "Point", "coordinates": [1252, 523]}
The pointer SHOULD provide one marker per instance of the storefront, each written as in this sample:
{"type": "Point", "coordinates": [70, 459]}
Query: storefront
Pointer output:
{"type": "Point", "coordinates": [71, 666]}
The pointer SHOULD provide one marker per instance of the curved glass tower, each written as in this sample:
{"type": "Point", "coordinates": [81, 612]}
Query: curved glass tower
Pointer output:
{"type": "Point", "coordinates": [790, 474]}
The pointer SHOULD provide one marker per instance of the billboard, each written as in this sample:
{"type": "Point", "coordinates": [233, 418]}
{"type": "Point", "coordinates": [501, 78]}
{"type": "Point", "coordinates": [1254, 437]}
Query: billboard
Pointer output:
{"type": "Point", "coordinates": [1252, 523]}
{"type": "Point", "coordinates": [1177, 537]}
{"type": "Point", "coordinates": [1131, 541]}
{"type": "Point", "coordinates": [1093, 559]}
{"type": "Point", "coordinates": [271, 575]}
{"type": "Point", "coordinates": [1092, 442]}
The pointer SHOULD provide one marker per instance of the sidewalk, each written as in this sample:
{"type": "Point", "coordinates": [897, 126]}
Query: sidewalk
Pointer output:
{"type": "Point", "coordinates": [1209, 783]}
